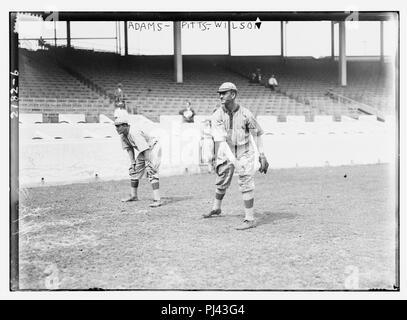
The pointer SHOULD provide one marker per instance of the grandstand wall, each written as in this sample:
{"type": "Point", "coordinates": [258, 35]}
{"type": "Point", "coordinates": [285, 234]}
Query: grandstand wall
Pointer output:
{"type": "Point", "coordinates": [67, 153]}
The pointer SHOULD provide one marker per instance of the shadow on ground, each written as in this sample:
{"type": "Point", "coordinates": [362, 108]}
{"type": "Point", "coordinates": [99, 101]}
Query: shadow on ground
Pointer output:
{"type": "Point", "coordinates": [170, 200]}
{"type": "Point", "coordinates": [268, 217]}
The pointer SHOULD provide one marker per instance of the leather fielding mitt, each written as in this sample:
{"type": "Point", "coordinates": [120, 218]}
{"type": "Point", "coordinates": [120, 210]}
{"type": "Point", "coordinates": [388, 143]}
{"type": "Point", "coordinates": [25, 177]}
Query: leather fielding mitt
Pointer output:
{"type": "Point", "coordinates": [264, 165]}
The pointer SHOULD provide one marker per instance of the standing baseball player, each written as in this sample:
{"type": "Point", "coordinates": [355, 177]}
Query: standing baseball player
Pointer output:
{"type": "Point", "coordinates": [232, 126]}
{"type": "Point", "coordinates": [145, 155]}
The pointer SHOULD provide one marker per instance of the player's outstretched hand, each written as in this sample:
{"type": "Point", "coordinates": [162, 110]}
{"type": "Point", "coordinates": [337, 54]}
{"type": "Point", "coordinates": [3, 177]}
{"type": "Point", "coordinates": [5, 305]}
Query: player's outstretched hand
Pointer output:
{"type": "Point", "coordinates": [264, 165]}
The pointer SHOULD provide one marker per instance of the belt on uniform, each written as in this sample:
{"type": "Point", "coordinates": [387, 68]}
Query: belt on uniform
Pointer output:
{"type": "Point", "coordinates": [236, 147]}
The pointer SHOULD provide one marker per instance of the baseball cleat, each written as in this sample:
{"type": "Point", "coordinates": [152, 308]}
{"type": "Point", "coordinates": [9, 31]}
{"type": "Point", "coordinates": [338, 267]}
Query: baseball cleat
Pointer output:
{"type": "Point", "coordinates": [246, 225]}
{"type": "Point", "coordinates": [155, 204]}
{"type": "Point", "coordinates": [129, 199]}
{"type": "Point", "coordinates": [213, 213]}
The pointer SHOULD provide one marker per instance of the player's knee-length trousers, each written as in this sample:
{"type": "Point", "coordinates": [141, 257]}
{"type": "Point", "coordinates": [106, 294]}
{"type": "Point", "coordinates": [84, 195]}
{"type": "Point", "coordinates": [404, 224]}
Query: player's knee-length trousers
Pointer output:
{"type": "Point", "coordinates": [245, 169]}
{"type": "Point", "coordinates": [151, 166]}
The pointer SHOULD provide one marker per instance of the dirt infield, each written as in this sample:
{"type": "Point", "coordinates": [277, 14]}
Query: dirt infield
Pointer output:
{"type": "Point", "coordinates": [318, 228]}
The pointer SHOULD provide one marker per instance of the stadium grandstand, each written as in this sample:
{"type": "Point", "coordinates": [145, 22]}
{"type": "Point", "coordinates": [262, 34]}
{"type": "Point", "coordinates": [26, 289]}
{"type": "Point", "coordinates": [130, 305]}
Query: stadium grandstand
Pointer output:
{"type": "Point", "coordinates": [64, 80]}
{"type": "Point", "coordinates": [67, 79]}
{"type": "Point", "coordinates": [49, 88]}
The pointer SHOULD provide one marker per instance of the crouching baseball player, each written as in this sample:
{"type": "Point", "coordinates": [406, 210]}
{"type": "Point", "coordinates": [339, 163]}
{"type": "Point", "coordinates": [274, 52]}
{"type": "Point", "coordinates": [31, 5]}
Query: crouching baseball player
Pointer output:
{"type": "Point", "coordinates": [148, 150]}
{"type": "Point", "coordinates": [232, 126]}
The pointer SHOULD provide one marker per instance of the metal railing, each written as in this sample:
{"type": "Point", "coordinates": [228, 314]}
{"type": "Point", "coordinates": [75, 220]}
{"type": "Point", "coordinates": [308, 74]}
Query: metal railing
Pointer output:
{"type": "Point", "coordinates": [356, 105]}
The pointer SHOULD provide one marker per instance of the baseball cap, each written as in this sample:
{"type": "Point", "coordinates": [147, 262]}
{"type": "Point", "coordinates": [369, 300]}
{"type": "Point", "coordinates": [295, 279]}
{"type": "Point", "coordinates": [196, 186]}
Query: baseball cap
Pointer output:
{"type": "Point", "coordinates": [227, 86]}
{"type": "Point", "coordinates": [121, 116]}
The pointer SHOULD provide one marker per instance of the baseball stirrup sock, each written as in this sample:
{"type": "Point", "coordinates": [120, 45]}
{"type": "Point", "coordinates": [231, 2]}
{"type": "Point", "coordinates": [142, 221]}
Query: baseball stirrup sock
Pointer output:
{"type": "Point", "coordinates": [249, 214]}
{"type": "Point", "coordinates": [248, 209]}
{"type": "Point", "coordinates": [248, 203]}
{"type": "Point", "coordinates": [219, 195]}
{"type": "Point", "coordinates": [155, 185]}
{"type": "Point", "coordinates": [134, 183]}
{"type": "Point", "coordinates": [156, 195]}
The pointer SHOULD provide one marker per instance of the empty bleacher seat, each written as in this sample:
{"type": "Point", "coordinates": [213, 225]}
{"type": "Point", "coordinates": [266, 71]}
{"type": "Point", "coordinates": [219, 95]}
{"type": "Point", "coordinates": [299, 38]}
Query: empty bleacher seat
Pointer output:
{"type": "Point", "coordinates": [71, 118]}
{"type": "Point", "coordinates": [30, 118]}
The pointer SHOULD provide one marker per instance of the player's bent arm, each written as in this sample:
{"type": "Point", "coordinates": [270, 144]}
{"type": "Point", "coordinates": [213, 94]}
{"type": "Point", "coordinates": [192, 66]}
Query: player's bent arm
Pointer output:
{"type": "Point", "coordinates": [216, 143]}
{"type": "Point", "coordinates": [130, 151]}
{"type": "Point", "coordinates": [259, 143]}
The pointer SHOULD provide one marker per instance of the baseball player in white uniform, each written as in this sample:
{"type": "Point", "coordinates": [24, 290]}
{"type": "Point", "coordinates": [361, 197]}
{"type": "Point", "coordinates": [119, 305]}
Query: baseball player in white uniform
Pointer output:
{"type": "Point", "coordinates": [232, 126]}
{"type": "Point", "coordinates": [144, 151]}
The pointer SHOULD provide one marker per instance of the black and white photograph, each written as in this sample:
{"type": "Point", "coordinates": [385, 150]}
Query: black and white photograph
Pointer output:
{"type": "Point", "coordinates": [253, 151]}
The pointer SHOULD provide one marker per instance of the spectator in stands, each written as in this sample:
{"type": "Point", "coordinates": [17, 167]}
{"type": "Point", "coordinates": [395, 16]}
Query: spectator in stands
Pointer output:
{"type": "Point", "coordinates": [188, 113]}
{"type": "Point", "coordinates": [252, 77]}
{"type": "Point", "coordinates": [258, 75]}
{"type": "Point", "coordinates": [119, 97]}
{"type": "Point", "coordinates": [272, 83]}
{"type": "Point", "coordinates": [255, 77]}
{"type": "Point", "coordinates": [41, 43]}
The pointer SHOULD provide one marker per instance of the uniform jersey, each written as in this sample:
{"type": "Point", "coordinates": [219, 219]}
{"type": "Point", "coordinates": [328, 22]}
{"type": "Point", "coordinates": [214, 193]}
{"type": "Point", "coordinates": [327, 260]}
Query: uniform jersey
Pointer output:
{"type": "Point", "coordinates": [138, 139]}
{"type": "Point", "coordinates": [234, 127]}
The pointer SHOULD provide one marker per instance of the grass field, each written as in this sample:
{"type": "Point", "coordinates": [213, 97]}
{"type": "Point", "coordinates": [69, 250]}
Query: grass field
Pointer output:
{"type": "Point", "coordinates": [318, 228]}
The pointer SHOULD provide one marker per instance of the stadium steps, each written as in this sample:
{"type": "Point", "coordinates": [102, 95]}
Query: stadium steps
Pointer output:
{"type": "Point", "coordinates": [308, 80]}
{"type": "Point", "coordinates": [45, 87]}
{"type": "Point", "coordinates": [83, 79]}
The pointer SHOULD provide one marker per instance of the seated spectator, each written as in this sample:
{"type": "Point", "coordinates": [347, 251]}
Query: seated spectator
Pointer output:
{"type": "Point", "coordinates": [258, 75]}
{"type": "Point", "coordinates": [252, 78]}
{"type": "Point", "coordinates": [119, 97]}
{"type": "Point", "coordinates": [188, 113]}
{"type": "Point", "coordinates": [272, 83]}
{"type": "Point", "coordinates": [41, 43]}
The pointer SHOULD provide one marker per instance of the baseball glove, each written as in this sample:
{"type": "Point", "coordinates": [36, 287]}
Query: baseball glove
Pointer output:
{"type": "Point", "coordinates": [264, 165]}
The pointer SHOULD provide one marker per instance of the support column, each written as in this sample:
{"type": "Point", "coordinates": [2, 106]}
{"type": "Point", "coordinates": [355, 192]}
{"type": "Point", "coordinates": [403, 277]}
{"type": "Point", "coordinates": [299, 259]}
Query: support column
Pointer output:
{"type": "Point", "coordinates": [117, 45]}
{"type": "Point", "coordinates": [68, 34]}
{"type": "Point", "coordinates": [177, 52]}
{"type": "Point", "coordinates": [229, 40]}
{"type": "Point", "coordinates": [126, 40]}
{"type": "Point", "coordinates": [282, 38]}
{"type": "Point", "coordinates": [381, 41]}
{"type": "Point", "coordinates": [120, 37]}
{"type": "Point", "coordinates": [332, 40]}
{"type": "Point", "coordinates": [55, 34]}
{"type": "Point", "coordinates": [342, 54]}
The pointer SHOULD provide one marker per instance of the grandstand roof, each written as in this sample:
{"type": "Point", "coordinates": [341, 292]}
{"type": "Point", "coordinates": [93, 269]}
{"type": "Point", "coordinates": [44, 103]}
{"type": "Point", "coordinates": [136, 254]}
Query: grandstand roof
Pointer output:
{"type": "Point", "coordinates": [225, 16]}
